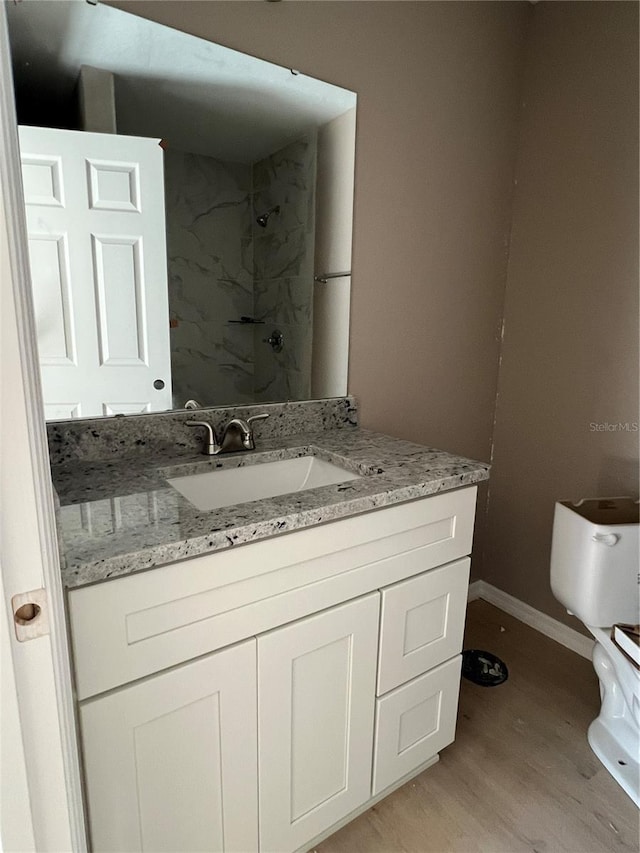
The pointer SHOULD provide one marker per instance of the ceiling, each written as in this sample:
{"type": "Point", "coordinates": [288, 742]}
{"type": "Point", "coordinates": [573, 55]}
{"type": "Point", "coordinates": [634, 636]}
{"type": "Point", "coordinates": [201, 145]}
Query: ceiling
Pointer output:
{"type": "Point", "coordinates": [199, 96]}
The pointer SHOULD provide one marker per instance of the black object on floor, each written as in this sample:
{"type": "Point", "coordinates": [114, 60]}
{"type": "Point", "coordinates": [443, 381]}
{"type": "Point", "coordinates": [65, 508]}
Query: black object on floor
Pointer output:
{"type": "Point", "coordinates": [483, 668]}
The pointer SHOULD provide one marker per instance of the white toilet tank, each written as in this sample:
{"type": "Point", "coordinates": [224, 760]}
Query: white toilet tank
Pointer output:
{"type": "Point", "coordinates": [595, 557]}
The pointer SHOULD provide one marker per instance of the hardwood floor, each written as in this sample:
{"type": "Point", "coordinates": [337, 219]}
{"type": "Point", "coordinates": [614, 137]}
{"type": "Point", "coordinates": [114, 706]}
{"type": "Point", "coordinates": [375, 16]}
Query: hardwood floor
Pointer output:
{"type": "Point", "coordinates": [520, 775]}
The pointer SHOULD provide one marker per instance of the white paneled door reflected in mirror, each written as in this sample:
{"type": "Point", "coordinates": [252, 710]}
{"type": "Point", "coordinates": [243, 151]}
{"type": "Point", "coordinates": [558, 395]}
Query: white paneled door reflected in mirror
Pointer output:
{"type": "Point", "coordinates": [178, 216]}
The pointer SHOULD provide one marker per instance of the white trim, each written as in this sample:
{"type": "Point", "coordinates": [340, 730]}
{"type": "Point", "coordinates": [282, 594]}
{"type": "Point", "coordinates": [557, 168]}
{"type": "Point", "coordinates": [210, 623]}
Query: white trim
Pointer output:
{"type": "Point", "coordinates": [16, 824]}
{"type": "Point", "coordinates": [37, 459]}
{"type": "Point", "coordinates": [547, 625]}
{"type": "Point", "coordinates": [475, 590]}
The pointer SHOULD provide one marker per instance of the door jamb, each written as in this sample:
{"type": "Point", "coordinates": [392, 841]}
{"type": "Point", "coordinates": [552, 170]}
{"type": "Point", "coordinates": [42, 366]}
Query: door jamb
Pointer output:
{"type": "Point", "coordinates": [13, 202]}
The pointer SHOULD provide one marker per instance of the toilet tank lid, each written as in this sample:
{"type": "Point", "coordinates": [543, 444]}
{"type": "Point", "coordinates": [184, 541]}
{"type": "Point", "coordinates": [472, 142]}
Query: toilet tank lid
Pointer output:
{"type": "Point", "coordinates": [624, 510]}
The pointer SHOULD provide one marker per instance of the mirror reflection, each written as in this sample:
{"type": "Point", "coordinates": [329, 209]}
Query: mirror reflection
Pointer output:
{"type": "Point", "coordinates": [179, 214]}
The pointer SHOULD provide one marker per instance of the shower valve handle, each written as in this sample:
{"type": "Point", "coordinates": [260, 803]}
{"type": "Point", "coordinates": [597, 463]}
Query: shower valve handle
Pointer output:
{"type": "Point", "coordinates": [275, 340]}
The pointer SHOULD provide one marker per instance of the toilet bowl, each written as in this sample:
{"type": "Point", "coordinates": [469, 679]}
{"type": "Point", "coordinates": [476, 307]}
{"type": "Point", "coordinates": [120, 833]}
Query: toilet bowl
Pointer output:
{"type": "Point", "coordinates": [594, 573]}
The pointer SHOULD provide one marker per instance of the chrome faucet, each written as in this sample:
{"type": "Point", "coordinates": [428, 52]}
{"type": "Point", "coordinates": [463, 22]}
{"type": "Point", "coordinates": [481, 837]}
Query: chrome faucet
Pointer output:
{"type": "Point", "coordinates": [237, 435]}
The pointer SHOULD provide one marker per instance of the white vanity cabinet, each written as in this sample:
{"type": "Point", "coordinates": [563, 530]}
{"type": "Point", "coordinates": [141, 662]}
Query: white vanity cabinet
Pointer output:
{"type": "Point", "coordinates": [259, 697]}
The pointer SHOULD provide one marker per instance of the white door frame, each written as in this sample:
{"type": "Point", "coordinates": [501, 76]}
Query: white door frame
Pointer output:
{"type": "Point", "coordinates": [38, 729]}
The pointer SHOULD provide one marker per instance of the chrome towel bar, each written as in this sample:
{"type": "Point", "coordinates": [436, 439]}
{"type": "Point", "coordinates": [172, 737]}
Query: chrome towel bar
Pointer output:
{"type": "Point", "coordinates": [324, 278]}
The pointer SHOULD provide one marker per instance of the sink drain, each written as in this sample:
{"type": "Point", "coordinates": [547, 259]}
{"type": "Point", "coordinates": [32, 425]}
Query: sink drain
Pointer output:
{"type": "Point", "coordinates": [483, 668]}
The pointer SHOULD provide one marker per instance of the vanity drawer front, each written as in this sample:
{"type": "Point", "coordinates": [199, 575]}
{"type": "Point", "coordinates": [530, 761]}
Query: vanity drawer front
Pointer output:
{"type": "Point", "coordinates": [133, 626]}
{"type": "Point", "coordinates": [422, 623]}
{"type": "Point", "coordinates": [415, 722]}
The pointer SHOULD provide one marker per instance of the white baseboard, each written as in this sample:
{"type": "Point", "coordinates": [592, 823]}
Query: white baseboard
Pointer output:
{"type": "Point", "coordinates": [534, 618]}
{"type": "Point", "coordinates": [475, 590]}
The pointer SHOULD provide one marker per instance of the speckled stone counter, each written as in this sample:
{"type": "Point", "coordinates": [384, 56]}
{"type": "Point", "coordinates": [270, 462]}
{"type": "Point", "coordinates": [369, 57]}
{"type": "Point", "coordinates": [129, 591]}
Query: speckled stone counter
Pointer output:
{"type": "Point", "coordinates": [120, 516]}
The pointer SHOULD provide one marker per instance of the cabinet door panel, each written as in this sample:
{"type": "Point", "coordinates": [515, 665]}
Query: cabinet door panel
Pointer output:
{"type": "Point", "coordinates": [422, 623]}
{"type": "Point", "coordinates": [414, 722]}
{"type": "Point", "coordinates": [171, 762]}
{"type": "Point", "coordinates": [316, 684]}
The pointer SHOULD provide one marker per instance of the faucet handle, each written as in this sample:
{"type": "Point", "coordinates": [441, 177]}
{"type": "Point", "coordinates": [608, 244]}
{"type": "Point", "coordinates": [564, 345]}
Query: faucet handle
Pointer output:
{"type": "Point", "coordinates": [211, 446]}
{"type": "Point", "coordinates": [260, 417]}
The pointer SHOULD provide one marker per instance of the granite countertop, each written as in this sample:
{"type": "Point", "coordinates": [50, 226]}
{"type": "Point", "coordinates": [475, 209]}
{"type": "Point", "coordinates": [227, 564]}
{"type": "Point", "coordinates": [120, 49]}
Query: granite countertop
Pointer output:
{"type": "Point", "coordinates": [121, 516]}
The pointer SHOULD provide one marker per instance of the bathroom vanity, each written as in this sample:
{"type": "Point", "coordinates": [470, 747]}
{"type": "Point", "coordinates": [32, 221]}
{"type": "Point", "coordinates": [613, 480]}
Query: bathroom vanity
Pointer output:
{"type": "Point", "coordinates": [283, 664]}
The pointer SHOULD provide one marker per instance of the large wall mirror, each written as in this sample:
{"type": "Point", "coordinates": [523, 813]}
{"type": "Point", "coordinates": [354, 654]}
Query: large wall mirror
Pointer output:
{"type": "Point", "coordinates": [189, 211]}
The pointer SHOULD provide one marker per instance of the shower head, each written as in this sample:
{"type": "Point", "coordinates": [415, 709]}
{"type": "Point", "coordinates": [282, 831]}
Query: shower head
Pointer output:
{"type": "Point", "coordinates": [264, 218]}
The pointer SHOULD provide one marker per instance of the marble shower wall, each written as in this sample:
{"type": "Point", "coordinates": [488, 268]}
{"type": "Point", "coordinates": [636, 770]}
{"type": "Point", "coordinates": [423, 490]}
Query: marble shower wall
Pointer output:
{"type": "Point", "coordinates": [223, 266]}
{"type": "Point", "coordinates": [210, 266]}
{"type": "Point", "coordinates": [283, 270]}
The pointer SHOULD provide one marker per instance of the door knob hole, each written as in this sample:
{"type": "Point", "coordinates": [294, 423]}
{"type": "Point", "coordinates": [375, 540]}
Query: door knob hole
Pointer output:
{"type": "Point", "coordinates": [27, 613]}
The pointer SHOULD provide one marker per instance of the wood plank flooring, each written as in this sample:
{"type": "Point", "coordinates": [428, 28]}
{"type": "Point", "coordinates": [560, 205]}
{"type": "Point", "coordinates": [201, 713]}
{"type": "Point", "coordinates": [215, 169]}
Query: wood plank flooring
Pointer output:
{"type": "Point", "coordinates": [520, 775]}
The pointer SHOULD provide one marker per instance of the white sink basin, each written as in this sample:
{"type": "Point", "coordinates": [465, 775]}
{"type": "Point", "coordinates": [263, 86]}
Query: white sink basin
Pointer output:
{"type": "Point", "coordinates": [229, 486]}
